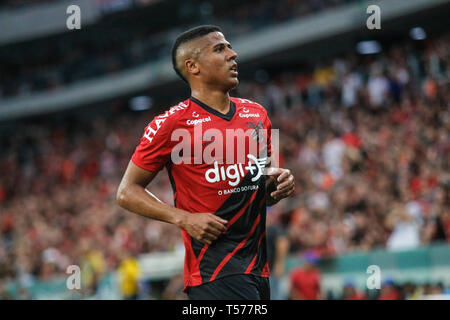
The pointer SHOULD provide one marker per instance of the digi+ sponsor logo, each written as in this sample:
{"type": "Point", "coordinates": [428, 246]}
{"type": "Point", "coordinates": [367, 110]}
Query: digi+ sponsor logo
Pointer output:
{"type": "Point", "coordinates": [235, 172]}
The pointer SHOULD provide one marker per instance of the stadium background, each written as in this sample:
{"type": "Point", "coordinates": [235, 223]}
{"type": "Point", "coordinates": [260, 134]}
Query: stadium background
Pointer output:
{"type": "Point", "coordinates": [364, 119]}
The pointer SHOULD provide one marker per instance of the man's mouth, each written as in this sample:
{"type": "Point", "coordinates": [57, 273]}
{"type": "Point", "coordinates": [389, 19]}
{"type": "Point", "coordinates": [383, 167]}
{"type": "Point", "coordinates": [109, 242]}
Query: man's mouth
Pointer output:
{"type": "Point", "coordinates": [234, 69]}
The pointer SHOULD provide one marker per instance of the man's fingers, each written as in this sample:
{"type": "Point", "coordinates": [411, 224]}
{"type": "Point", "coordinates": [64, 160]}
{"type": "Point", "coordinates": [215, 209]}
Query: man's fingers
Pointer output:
{"type": "Point", "coordinates": [207, 238]}
{"type": "Point", "coordinates": [280, 194]}
{"type": "Point", "coordinates": [214, 230]}
{"type": "Point", "coordinates": [271, 171]}
{"type": "Point", "coordinates": [205, 241]}
{"type": "Point", "coordinates": [215, 227]}
{"type": "Point", "coordinates": [284, 189]}
{"type": "Point", "coordinates": [286, 173]}
{"type": "Point", "coordinates": [278, 172]}
{"type": "Point", "coordinates": [218, 226]}
{"type": "Point", "coordinates": [289, 182]}
{"type": "Point", "coordinates": [207, 227]}
{"type": "Point", "coordinates": [214, 233]}
{"type": "Point", "coordinates": [222, 221]}
{"type": "Point", "coordinates": [290, 192]}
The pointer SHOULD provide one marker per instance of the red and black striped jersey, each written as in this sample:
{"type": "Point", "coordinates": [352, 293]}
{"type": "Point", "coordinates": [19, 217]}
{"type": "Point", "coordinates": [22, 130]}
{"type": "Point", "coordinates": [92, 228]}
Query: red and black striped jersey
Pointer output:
{"type": "Point", "coordinates": [215, 163]}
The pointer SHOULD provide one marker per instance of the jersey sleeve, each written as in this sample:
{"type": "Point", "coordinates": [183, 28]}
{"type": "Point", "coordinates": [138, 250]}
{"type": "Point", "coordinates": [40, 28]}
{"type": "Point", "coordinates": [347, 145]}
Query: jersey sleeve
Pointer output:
{"type": "Point", "coordinates": [154, 149]}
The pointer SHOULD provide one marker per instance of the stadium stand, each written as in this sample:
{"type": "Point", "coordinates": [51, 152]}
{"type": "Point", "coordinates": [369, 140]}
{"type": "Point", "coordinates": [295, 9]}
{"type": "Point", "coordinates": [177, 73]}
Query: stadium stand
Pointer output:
{"type": "Point", "coordinates": [13, 4]}
{"type": "Point", "coordinates": [39, 65]}
{"type": "Point", "coordinates": [366, 136]}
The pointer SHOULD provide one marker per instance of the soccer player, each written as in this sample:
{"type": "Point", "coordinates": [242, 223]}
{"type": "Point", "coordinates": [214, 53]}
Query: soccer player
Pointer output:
{"type": "Point", "coordinates": [219, 205]}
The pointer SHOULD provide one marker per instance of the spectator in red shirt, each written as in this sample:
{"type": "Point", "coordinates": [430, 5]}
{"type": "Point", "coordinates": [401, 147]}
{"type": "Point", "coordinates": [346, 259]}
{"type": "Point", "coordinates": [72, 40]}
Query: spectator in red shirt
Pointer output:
{"type": "Point", "coordinates": [305, 280]}
{"type": "Point", "coordinates": [350, 292]}
{"type": "Point", "coordinates": [389, 291]}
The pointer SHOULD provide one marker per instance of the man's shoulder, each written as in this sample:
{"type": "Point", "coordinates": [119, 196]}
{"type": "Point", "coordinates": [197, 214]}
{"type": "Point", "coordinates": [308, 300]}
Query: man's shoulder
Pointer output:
{"type": "Point", "coordinates": [175, 112]}
{"type": "Point", "coordinates": [248, 103]}
{"type": "Point", "coordinates": [165, 121]}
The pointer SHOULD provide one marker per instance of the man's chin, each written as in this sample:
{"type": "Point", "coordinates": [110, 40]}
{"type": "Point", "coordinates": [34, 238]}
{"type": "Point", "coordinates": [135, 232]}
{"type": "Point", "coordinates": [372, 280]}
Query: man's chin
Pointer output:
{"type": "Point", "coordinates": [234, 83]}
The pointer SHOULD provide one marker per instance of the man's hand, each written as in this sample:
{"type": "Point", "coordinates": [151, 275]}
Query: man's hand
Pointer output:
{"type": "Point", "coordinates": [284, 182]}
{"type": "Point", "coordinates": [205, 227]}
{"type": "Point", "coordinates": [133, 196]}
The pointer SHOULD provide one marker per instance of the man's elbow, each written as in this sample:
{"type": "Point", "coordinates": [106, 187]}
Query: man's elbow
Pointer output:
{"type": "Point", "coordinates": [121, 197]}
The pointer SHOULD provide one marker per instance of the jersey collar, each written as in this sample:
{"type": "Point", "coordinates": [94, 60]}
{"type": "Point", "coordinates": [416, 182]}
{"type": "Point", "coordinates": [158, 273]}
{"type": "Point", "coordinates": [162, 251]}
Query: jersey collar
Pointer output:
{"type": "Point", "coordinates": [228, 116]}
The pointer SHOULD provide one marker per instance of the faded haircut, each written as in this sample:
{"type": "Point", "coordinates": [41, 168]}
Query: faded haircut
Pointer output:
{"type": "Point", "coordinates": [187, 36]}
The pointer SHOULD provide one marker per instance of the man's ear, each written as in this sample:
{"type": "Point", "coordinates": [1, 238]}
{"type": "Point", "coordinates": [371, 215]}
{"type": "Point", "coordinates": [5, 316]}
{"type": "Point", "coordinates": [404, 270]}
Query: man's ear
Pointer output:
{"type": "Point", "coordinates": [191, 67]}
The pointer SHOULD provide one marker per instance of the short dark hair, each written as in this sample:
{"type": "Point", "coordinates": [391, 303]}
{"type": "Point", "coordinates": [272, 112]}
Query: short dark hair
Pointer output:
{"type": "Point", "coordinates": [187, 36]}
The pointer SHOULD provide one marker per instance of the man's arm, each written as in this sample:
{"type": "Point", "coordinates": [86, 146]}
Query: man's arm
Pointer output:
{"type": "Point", "coordinates": [133, 196]}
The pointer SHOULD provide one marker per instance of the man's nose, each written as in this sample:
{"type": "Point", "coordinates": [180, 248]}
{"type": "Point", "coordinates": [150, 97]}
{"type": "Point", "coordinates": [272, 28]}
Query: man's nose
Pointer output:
{"type": "Point", "coordinates": [233, 55]}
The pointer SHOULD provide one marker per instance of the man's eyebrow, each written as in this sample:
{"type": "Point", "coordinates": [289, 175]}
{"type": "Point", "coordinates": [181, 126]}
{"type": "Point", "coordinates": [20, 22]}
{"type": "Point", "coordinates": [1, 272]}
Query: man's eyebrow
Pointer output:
{"type": "Point", "coordinates": [222, 44]}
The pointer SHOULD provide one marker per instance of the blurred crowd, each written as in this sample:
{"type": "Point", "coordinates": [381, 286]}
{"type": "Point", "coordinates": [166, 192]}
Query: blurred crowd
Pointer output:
{"type": "Point", "coordinates": [305, 283]}
{"type": "Point", "coordinates": [35, 67]}
{"type": "Point", "coordinates": [13, 4]}
{"type": "Point", "coordinates": [57, 199]}
{"type": "Point", "coordinates": [367, 138]}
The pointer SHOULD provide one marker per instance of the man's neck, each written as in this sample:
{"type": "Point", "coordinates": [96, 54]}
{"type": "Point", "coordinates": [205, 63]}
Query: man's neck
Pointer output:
{"type": "Point", "coordinates": [217, 100]}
